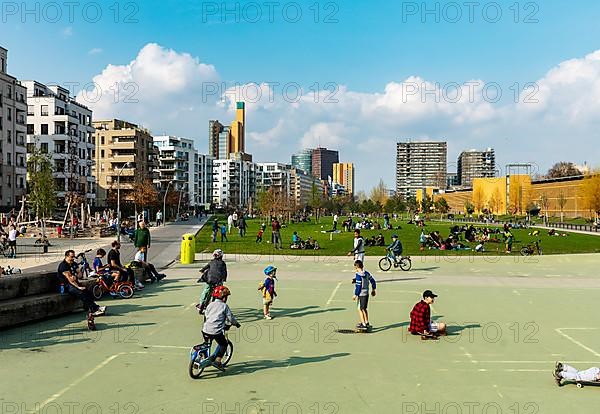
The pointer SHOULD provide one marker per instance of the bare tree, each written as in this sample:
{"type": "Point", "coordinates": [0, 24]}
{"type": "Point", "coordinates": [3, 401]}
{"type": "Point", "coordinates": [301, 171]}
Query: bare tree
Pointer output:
{"type": "Point", "coordinates": [562, 202]}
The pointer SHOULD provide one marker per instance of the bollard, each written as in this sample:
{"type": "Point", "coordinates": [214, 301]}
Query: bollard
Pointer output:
{"type": "Point", "coordinates": [188, 249]}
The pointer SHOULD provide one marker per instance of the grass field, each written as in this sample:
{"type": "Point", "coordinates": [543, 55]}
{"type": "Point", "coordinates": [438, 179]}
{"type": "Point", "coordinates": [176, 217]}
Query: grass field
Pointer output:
{"type": "Point", "coordinates": [341, 243]}
{"type": "Point", "coordinates": [510, 319]}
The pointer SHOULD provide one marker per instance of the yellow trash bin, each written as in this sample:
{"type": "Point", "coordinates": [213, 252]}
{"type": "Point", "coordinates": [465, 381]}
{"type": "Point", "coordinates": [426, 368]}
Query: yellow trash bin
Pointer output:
{"type": "Point", "coordinates": [188, 249]}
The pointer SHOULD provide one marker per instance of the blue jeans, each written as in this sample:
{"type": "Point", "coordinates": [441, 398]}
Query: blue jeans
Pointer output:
{"type": "Point", "coordinates": [85, 297]}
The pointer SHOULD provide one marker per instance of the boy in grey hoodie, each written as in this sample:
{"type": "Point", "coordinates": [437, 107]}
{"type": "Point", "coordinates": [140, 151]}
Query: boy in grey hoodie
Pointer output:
{"type": "Point", "coordinates": [361, 281]}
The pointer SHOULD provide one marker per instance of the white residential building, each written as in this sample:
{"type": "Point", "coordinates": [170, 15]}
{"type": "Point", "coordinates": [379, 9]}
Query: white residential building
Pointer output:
{"type": "Point", "coordinates": [176, 165]}
{"type": "Point", "coordinates": [58, 125]}
{"type": "Point", "coordinates": [203, 182]}
{"type": "Point", "coordinates": [274, 175]}
{"type": "Point", "coordinates": [13, 153]}
{"type": "Point", "coordinates": [234, 183]}
{"type": "Point", "coordinates": [304, 187]}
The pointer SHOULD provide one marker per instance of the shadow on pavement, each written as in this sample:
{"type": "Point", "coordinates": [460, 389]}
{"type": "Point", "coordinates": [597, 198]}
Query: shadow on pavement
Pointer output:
{"type": "Point", "coordinates": [252, 314]}
{"type": "Point", "coordinates": [263, 364]}
{"type": "Point", "coordinates": [388, 327]}
{"type": "Point", "coordinates": [405, 279]}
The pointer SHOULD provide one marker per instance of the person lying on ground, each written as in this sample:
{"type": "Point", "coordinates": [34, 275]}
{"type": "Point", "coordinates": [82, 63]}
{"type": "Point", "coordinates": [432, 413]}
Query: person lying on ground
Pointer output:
{"type": "Point", "coordinates": [567, 372]}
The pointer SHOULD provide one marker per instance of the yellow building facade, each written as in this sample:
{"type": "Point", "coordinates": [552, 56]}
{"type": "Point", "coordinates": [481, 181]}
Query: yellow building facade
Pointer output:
{"type": "Point", "coordinates": [343, 173]}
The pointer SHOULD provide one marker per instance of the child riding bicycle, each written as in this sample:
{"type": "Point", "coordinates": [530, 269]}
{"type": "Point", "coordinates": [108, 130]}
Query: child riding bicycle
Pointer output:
{"type": "Point", "coordinates": [217, 317]}
{"type": "Point", "coordinates": [213, 274]}
{"type": "Point", "coordinates": [395, 248]}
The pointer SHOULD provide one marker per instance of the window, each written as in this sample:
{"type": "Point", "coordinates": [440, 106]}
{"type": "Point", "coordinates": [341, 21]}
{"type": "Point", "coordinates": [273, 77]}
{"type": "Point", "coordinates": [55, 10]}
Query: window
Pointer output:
{"type": "Point", "coordinates": [30, 129]}
{"type": "Point", "coordinates": [9, 114]}
{"type": "Point", "coordinates": [44, 129]}
{"type": "Point", "coordinates": [30, 110]}
{"type": "Point", "coordinates": [44, 110]}
{"type": "Point", "coordinates": [9, 136]}
{"type": "Point", "coordinates": [101, 140]}
{"type": "Point", "coordinates": [101, 153]}
{"type": "Point", "coordinates": [8, 159]}
{"type": "Point", "coordinates": [44, 147]}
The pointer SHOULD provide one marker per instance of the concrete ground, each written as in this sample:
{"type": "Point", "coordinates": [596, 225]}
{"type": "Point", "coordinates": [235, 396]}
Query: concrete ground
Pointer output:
{"type": "Point", "coordinates": [510, 319]}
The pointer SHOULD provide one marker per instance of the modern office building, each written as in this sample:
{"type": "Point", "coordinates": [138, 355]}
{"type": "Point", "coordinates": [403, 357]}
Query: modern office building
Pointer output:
{"type": "Point", "coordinates": [322, 163]}
{"type": "Point", "coordinates": [304, 187]}
{"type": "Point", "coordinates": [13, 130]}
{"type": "Point", "coordinates": [475, 164]}
{"type": "Point", "coordinates": [273, 175]}
{"type": "Point", "coordinates": [303, 160]}
{"type": "Point", "coordinates": [125, 152]}
{"type": "Point", "coordinates": [60, 126]}
{"type": "Point", "coordinates": [234, 183]}
{"type": "Point", "coordinates": [420, 165]}
{"type": "Point", "coordinates": [343, 174]}
{"type": "Point", "coordinates": [225, 141]}
{"type": "Point", "coordinates": [452, 180]}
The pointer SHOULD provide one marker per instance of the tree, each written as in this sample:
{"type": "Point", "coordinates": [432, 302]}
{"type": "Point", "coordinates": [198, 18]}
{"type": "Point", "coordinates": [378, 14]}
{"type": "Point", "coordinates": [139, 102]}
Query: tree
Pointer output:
{"type": "Point", "coordinates": [495, 202]}
{"type": "Point", "coordinates": [316, 201]}
{"type": "Point", "coordinates": [590, 192]}
{"type": "Point", "coordinates": [545, 203]}
{"type": "Point", "coordinates": [379, 193]}
{"type": "Point", "coordinates": [145, 193]}
{"type": "Point", "coordinates": [469, 207]}
{"type": "Point", "coordinates": [42, 187]}
{"type": "Point", "coordinates": [426, 204]}
{"type": "Point", "coordinates": [562, 202]}
{"type": "Point", "coordinates": [478, 199]}
{"type": "Point", "coordinates": [563, 169]}
{"type": "Point", "coordinates": [412, 205]}
{"type": "Point", "coordinates": [441, 205]}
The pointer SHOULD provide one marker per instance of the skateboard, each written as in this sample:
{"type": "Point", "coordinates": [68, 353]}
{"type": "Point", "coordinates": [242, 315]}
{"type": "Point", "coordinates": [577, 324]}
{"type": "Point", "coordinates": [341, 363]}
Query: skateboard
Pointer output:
{"type": "Point", "coordinates": [430, 337]}
{"type": "Point", "coordinates": [363, 330]}
{"type": "Point", "coordinates": [581, 384]}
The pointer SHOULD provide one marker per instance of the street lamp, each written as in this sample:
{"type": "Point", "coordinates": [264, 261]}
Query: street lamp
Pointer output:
{"type": "Point", "coordinates": [119, 201]}
{"type": "Point", "coordinates": [165, 204]}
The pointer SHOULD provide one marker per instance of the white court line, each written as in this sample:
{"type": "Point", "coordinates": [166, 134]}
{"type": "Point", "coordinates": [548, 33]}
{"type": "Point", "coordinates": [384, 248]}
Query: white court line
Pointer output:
{"type": "Point", "coordinates": [576, 342]}
{"type": "Point", "coordinates": [77, 381]}
{"type": "Point", "coordinates": [375, 299]}
{"type": "Point", "coordinates": [468, 355]}
{"type": "Point", "coordinates": [497, 391]}
{"type": "Point", "coordinates": [165, 346]}
{"type": "Point", "coordinates": [456, 361]}
{"type": "Point", "coordinates": [333, 294]}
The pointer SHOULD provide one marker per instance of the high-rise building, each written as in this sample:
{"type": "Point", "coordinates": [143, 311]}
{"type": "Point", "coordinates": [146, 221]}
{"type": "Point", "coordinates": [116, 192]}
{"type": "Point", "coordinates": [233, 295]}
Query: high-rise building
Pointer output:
{"type": "Point", "coordinates": [203, 179]}
{"type": "Point", "coordinates": [226, 141]}
{"type": "Point", "coordinates": [303, 160]}
{"type": "Point", "coordinates": [343, 174]}
{"type": "Point", "coordinates": [59, 125]}
{"type": "Point", "coordinates": [13, 130]}
{"type": "Point", "coordinates": [234, 183]}
{"type": "Point", "coordinates": [238, 137]}
{"type": "Point", "coordinates": [476, 164]}
{"type": "Point", "coordinates": [124, 152]}
{"type": "Point", "coordinates": [322, 163]}
{"type": "Point", "coordinates": [420, 165]}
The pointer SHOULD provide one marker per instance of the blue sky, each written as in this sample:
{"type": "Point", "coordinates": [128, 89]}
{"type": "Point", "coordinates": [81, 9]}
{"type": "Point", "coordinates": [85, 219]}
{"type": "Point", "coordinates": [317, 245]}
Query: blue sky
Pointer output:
{"type": "Point", "coordinates": [371, 45]}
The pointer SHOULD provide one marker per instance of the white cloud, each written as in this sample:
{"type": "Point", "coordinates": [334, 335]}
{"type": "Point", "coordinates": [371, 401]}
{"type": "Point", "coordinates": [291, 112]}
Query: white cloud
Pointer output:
{"type": "Point", "coordinates": [95, 51]}
{"type": "Point", "coordinates": [177, 93]}
{"type": "Point", "coordinates": [67, 32]}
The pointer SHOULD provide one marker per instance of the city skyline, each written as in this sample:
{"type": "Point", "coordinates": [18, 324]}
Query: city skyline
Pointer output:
{"type": "Point", "coordinates": [174, 84]}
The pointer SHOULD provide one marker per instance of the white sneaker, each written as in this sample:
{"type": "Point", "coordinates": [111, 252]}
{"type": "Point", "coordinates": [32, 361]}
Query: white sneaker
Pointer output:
{"type": "Point", "coordinates": [102, 309]}
{"type": "Point", "coordinates": [268, 317]}
{"type": "Point", "coordinates": [139, 284]}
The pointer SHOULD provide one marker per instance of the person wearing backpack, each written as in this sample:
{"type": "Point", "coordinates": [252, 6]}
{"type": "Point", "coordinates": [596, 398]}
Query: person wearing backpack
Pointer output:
{"type": "Point", "coordinates": [361, 281]}
{"type": "Point", "coordinates": [213, 274]}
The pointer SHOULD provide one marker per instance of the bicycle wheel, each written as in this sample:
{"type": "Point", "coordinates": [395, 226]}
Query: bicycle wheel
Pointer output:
{"type": "Point", "coordinates": [197, 366]}
{"type": "Point", "coordinates": [228, 353]}
{"type": "Point", "coordinates": [385, 264]}
{"type": "Point", "coordinates": [405, 264]}
{"type": "Point", "coordinates": [97, 291]}
{"type": "Point", "coordinates": [126, 291]}
{"type": "Point", "coordinates": [525, 251]}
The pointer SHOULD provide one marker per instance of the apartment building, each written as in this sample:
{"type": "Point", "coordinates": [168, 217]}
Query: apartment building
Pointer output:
{"type": "Point", "coordinates": [420, 165]}
{"type": "Point", "coordinates": [304, 187]}
{"type": "Point", "coordinates": [13, 130]}
{"type": "Point", "coordinates": [344, 174]}
{"type": "Point", "coordinates": [57, 124]}
{"type": "Point", "coordinates": [273, 175]}
{"type": "Point", "coordinates": [125, 152]}
{"type": "Point", "coordinates": [475, 164]}
{"type": "Point", "coordinates": [234, 183]}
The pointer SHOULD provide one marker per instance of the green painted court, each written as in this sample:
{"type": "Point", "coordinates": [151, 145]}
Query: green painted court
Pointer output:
{"type": "Point", "coordinates": [510, 319]}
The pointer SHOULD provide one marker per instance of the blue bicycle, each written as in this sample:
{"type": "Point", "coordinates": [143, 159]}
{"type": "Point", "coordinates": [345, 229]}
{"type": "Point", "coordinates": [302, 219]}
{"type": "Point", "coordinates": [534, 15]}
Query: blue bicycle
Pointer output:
{"type": "Point", "coordinates": [201, 356]}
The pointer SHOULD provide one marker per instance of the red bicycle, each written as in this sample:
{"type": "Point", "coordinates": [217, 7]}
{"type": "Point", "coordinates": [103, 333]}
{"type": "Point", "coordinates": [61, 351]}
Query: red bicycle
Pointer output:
{"type": "Point", "coordinates": [122, 289]}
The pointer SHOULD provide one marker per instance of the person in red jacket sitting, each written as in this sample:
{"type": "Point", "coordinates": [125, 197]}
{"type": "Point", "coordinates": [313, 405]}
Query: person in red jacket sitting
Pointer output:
{"type": "Point", "coordinates": [420, 318]}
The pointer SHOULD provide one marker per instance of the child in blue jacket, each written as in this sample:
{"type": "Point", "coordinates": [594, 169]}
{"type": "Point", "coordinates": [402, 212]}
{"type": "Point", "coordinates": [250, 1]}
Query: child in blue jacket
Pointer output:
{"type": "Point", "coordinates": [268, 290]}
{"type": "Point", "coordinates": [361, 281]}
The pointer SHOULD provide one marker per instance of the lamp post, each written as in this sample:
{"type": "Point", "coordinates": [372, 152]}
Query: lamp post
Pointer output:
{"type": "Point", "coordinates": [165, 204]}
{"type": "Point", "coordinates": [126, 165]}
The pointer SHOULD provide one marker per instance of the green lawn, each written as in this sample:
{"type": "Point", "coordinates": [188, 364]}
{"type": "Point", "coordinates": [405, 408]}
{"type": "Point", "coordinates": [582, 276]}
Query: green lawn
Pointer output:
{"type": "Point", "coordinates": [339, 244]}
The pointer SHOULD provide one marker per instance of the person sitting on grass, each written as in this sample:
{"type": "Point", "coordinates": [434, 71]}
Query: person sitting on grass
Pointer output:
{"type": "Point", "coordinates": [296, 241]}
{"type": "Point", "coordinates": [380, 240]}
{"type": "Point", "coordinates": [149, 269]}
{"type": "Point", "coordinates": [361, 282]}
{"type": "Point", "coordinates": [420, 318]}
{"type": "Point", "coordinates": [217, 317]}
{"type": "Point", "coordinates": [567, 372]}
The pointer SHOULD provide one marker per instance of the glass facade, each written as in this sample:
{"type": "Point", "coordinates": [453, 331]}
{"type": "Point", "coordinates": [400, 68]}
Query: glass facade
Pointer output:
{"type": "Point", "coordinates": [303, 160]}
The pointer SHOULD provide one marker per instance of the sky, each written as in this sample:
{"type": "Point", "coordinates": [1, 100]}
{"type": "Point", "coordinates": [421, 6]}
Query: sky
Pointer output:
{"type": "Point", "coordinates": [357, 76]}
